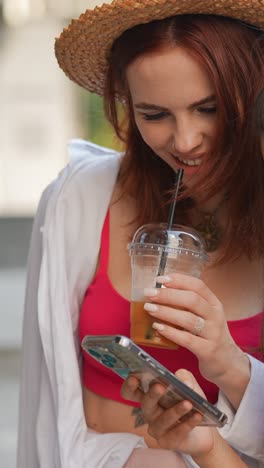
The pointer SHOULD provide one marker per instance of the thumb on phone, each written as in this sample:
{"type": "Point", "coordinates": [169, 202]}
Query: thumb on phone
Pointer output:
{"type": "Point", "coordinates": [187, 377]}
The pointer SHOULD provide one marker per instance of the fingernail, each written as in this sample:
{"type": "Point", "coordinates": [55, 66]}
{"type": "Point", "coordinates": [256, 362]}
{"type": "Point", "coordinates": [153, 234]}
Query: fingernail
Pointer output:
{"type": "Point", "coordinates": [150, 292]}
{"type": "Point", "coordinates": [163, 279]}
{"type": "Point", "coordinates": [158, 326]}
{"type": "Point", "coordinates": [152, 308]}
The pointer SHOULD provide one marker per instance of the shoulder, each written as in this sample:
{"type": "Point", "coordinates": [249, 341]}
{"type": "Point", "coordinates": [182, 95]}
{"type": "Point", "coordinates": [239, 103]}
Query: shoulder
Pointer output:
{"type": "Point", "coordinates": [91, 167]}
{"type": "Point", "coordinates": [86, 157]}
{"type": "Point", "coordinates": [87, 180]}
{"type": "Point", "coordinates": [83, 148]}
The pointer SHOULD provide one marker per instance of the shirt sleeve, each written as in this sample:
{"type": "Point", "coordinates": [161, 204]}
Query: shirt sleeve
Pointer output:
{"type": "Point", "coordinates": [42, 441]}
{"type": "Point", "coordinates": [245, 427]}
{"type": "Point", "coordinates": [32, 356]}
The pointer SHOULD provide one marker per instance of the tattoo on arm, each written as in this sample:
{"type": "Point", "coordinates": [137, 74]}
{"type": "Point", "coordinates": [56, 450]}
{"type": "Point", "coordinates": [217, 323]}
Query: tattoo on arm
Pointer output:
{"type": "Point", "coordinates": [137, 412]}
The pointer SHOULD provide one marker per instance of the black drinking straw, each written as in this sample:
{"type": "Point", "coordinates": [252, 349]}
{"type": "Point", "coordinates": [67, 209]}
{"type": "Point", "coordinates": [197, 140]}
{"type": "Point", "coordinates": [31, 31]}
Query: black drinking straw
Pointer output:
{"type": "Point", "coordinates": [164, 255]}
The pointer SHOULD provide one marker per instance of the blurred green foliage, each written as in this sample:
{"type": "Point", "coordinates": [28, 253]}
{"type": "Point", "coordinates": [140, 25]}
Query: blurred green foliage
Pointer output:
{"type": "Point", "coordinates": [97, 128]}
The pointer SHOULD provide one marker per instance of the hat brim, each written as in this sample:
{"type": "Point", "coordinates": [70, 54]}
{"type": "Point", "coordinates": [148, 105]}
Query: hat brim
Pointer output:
{"type": "Point", "coordinates": [83, 48]}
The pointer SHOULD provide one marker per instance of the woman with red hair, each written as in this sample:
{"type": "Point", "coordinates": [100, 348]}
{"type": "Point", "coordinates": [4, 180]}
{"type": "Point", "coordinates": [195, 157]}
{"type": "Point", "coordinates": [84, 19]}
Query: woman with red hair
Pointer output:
{"type": "Point", "coordinates": [260, 118]}
{"type": "Point", "coordinates": [205, 445]}
{"type": "Point", "coordinates": [179, 80]}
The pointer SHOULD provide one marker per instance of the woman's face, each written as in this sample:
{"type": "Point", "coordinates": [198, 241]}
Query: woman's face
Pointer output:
{"type": "Point", "coordinates": [174, 106]}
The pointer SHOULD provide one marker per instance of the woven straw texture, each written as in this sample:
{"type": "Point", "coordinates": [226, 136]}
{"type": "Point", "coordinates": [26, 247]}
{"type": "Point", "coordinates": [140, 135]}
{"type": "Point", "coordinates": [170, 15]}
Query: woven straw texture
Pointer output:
{"type": "Point", "coordinates": [82, 49]}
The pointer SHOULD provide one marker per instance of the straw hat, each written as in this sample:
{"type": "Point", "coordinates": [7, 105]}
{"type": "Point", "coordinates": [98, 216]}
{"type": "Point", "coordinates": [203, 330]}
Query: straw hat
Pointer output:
{"type": "Point", "coordinates": [82, 49]}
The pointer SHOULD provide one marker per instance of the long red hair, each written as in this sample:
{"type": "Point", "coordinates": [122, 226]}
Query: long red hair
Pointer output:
{"type": "Point", "coordinates": [228, 51]}
{"type": "Point", "coordinates": [260, 110]}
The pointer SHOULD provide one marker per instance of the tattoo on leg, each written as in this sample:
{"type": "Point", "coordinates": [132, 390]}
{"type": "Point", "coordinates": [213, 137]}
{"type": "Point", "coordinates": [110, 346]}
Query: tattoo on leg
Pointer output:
{"type": "Point", "coordinates": [137, 412]}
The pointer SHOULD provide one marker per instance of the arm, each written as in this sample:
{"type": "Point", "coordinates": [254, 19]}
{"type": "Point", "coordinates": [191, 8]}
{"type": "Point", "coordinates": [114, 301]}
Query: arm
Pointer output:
{"type": "Point", "coordinates": [155, 458]}
{"type": "Point", "coordinates": [234, 381]}
{"type": "Point", "coordinates": [221, 455]}
{"type": "Point", "coordinates": [220, 360]}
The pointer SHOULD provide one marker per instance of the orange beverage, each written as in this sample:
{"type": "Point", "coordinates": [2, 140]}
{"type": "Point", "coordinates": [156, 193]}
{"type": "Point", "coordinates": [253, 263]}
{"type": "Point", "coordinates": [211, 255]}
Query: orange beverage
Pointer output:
{"type": "Point", "coordinates": [155, 251]}
{"type": "Point", "coordinates": [141, 330]}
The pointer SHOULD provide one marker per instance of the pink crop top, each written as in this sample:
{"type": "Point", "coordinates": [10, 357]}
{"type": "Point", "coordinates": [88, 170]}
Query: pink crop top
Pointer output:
{"type": "Point", "coordinates": [105, 312]}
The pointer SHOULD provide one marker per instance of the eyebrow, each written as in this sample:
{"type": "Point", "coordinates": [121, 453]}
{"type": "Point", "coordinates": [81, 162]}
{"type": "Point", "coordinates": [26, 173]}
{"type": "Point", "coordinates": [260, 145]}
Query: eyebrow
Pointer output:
{"type": "Point", "coordinates": [146, 106]}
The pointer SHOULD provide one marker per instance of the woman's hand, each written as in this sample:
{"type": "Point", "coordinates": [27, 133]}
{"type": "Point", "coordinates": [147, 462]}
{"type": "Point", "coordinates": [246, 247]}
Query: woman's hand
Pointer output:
{"type": "Point", "coordinates": [177, 429]}
{"type": "Point", "coordinates": [165, 425]}
{"type": "Point", "coordinates": [186, 302]}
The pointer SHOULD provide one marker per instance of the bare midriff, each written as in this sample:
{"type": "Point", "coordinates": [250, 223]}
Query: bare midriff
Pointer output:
{"type": "Point", "coordinates": [106, 416]}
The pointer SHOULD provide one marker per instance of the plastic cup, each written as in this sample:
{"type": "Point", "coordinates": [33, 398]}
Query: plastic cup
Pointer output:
{"type": "Point", "coordinates": [184, 252]}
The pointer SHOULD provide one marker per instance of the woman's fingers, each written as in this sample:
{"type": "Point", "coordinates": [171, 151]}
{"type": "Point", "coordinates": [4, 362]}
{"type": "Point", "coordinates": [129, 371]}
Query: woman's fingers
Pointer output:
{"type": "Point", "coordinates": [170, 427]}
{"type": "Point", "coordinates": [188, 378]}
{"type": "Point", "coordinates": [194, 343]}
{"type": "Point", "coordinates": [179, 432]}
{"type": "Point", "coordinates": [187, 320]}
{"type": "Point", "coordinates": [167, 419]}
{"type": "Point", "coordinates": [189, 283]}
{"type": "Point", "coordinates": [185, 293]}
{"type": "Point", "coordinates": [187, 303]}
{"type": "Point", "coordinates": [130, 389]}
{"type": "Point", "coordinates": [150, 402]}
{"type": "Point", "coordinates": [183, 300]}
{"type": "Point", "coordinates": [160, 420]}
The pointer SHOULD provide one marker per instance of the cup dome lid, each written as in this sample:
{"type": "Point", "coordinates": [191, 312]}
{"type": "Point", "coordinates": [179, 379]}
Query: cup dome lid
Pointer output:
{"type": "Point", "coordinates": [156, 236]}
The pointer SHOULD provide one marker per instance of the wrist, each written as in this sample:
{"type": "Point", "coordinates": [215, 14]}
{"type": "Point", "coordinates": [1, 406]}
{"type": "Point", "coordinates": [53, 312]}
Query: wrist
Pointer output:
{"type": "Point", "coordinates": [220, 455]}
{"type": "Point", "coordinates": [206, 458]}
{"type": "Point", "coordinates": [234, 381]}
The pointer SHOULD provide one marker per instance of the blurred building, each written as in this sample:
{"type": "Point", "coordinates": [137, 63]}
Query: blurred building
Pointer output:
{"type": "Point", "coordinates": [38, 114]}
{"type": "Point", "coordinates": [72, 8]}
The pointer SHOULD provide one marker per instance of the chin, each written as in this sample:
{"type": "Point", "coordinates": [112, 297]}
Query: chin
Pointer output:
{"type": "Point", "coordinates": [190, 179]}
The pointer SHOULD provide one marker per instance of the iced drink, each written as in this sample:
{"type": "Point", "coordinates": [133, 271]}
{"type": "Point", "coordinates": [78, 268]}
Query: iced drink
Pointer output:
{"type": "Point", "coordinates": [184, 252]}
{"type": "Point", "coordinates": [141, 330]}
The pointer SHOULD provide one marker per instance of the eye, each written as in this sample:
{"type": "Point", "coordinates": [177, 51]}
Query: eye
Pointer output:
{"type": "Point", "coordinates": [158, 116]}
{"type": "Point", "coordinates": [207, 110]}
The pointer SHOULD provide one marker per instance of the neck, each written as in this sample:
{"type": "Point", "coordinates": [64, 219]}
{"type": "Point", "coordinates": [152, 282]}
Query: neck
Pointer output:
{"type": "Point", "coordinates": [211, 205]}
{"type": "Point", "coordinates": [210, 219]}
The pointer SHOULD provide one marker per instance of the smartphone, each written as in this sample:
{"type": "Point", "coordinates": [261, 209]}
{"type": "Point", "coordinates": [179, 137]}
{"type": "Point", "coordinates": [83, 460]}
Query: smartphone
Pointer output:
{"type": "Point", "coordinates": [124, 357]}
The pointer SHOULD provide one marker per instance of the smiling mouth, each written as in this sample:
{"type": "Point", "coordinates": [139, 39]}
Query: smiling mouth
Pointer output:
{"type": "Point", "coordinates": [189, 162]}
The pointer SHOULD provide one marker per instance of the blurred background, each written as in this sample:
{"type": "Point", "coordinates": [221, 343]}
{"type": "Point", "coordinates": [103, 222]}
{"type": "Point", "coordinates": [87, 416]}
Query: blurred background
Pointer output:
{"type": "Point", "coordinates": [40, 111]}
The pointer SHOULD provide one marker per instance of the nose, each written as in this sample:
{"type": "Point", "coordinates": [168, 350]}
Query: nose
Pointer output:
{"type": "Point", "coordinates": [187, 137]}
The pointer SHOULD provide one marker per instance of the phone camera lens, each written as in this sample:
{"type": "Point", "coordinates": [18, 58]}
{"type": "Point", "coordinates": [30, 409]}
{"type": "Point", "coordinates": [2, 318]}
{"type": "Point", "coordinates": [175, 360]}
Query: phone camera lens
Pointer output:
{"type": "Point", "coordinates": [109, 358]}
{"type": "Point", "coordinates": [107, 363]}
{"type": "Point", "coordinates": [94, 353]}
